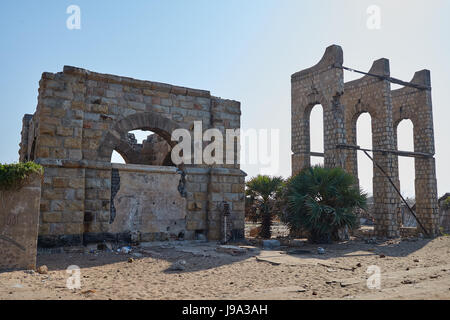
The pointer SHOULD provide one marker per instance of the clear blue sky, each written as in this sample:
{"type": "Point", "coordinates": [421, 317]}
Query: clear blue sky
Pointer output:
{"type": "Point", "coordinates": [242, 50]}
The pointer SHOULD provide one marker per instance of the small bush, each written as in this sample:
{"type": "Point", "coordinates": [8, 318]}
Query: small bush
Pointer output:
{"type": "Point", "coordinates": [12, 176]}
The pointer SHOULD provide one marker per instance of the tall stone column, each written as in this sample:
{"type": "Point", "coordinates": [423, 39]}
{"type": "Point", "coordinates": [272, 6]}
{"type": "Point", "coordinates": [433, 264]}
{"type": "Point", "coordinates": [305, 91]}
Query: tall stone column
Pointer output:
{"type": "Point", "coordinates": [322, 84]}
{"type": "Point", "coordinates": [427, 208]}
{"type": "Point", "coordinates": [385, 197]}
{"type": "Point", "coordinates": [371, 94]}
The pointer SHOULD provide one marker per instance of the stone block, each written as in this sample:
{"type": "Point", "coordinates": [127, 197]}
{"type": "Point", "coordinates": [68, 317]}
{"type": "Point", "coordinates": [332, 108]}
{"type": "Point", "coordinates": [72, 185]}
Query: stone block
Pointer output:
{"type": "Point", "coordinates": [238, 188]}
{"type": "Point", "coordinates": [64, 132]}
{"type": "Point", "coordinates": [60, 182]}
{"type": "Point", "coordinates": [49, 141]}
{"type": "Point", "coordinates": [195, 225]}
{"type": "Point", "coordinates": [200, 196]}
{"type": "Point", "coordinates": [72, 143]}
{"type": "Point", "coordinates": [194, 205]}
{"type": "Point", "coordinates": [51, 217]}
{"type": "Point", "coordinates": [73, 228]}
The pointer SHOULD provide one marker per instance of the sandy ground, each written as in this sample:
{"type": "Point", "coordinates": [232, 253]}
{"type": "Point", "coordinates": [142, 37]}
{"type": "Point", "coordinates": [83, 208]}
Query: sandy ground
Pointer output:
{"type": "Point", "coordinates": [417, 269]}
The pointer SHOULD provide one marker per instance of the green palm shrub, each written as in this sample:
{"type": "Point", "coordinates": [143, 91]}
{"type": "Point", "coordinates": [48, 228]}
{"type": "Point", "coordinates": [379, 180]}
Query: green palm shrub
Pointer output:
{"type": "Point", "coordinates": [322, 201]}
{"type": "Point", "coordinates": [262, 190]}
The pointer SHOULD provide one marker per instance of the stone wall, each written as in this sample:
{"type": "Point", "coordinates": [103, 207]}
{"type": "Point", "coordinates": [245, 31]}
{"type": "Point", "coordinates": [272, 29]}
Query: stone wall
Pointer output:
{"type": "Point", "coordinates": [19, 219]}
{"type": "Point", "coordinates": [148, 204]}
{"type": "Point", "coordinates": [444, 213]}
{"type": "Point", "coordinates": [342, 104]}
{"type": "Point", "coordinates": [82, 117]}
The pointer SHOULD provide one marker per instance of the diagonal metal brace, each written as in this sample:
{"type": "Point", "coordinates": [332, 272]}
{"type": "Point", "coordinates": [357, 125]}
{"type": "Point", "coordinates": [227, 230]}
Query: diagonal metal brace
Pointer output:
{"type": "Point", "coordinates": [390, 180]}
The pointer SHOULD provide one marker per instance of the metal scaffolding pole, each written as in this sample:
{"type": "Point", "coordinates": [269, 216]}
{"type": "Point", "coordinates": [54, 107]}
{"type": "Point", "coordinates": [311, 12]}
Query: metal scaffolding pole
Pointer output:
{"type": "Point", "coordinates": [390, 79]}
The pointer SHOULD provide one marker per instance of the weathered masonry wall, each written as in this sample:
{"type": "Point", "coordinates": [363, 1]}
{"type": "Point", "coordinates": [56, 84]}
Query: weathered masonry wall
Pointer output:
{"type": "Point", "coordinates": [342, 104]}
{"type": "Point", "coordinates": [444, 213]}
{"type": "Point", "coordinates": [147, 203]}
{"type": "Point", "coordinates": [415, 105]}
{"type": "Point", "coordinates": [19, 218]}
{"type": "Point", "coordinates": [82, 117]}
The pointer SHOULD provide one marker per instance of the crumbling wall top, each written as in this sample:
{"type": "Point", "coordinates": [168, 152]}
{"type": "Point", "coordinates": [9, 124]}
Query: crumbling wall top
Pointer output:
{"type": "Point", "coordinates": [144, 84]}
{"type": "Point", "coordinates": [332, 57]}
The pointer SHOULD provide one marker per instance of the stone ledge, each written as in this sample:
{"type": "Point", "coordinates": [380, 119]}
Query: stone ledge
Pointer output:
{"type": "Point", "coordinates": [144, 168]}
{"type": "Point", "coordinates": [99, 165]}
{"type": "Point", "coordinates": [216, 171]}
{"type": "Point", "coordinates": [80, 164]}
{"type": "Point", "coordinates": [228, 172]}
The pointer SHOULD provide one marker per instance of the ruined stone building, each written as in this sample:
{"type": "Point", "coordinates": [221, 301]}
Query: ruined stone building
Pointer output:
{"type": "Point", "coordinates": [82, 117]}
{"type": "Point", "coordinates": [342, 104]}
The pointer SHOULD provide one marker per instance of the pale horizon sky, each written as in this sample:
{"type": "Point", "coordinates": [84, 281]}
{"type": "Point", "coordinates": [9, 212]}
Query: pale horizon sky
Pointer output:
{"type": "Point", "coordinates": [241, 50]}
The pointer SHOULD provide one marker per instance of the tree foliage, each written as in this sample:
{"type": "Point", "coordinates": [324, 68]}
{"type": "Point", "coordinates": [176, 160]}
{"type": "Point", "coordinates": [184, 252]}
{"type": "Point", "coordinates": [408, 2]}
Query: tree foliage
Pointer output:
{"type": "Point", "coordinates": [262, 191]}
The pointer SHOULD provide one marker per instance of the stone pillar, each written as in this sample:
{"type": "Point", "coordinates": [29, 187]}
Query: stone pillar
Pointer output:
{"type": "Point", "coordinates": [62, 205]}
{"type": "Point", "coordinates": [385, 197]}
{"type": "Point", "coordinates": [427, 208]}
{"type": "Point", "coordinates": [197, 202]}
{"type": "Point", "coordinates": [59, 126]}
{"type": "Point", "coordinates": [19, 219]}
{"type": "Point", "coordinates": [25, 143]}
{"type": "Point", "coordinates": [334, 133]}
{"type": "Point", "coordinates": [226, 185]}
{"type": "Point", "coordinates": [415, 104]}
{"type": "Point", "coordinates": [351, 162]}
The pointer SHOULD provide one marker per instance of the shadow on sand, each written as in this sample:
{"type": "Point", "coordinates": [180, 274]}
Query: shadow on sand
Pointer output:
{"type": "Point", "coordinates": [204, 256]}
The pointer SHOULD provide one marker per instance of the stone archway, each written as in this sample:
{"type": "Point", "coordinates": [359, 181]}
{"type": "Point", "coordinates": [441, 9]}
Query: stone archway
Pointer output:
{"type": "Point", "coordinates": [371, 93]}
{"type": "Point", "coordinates": [116, 137]}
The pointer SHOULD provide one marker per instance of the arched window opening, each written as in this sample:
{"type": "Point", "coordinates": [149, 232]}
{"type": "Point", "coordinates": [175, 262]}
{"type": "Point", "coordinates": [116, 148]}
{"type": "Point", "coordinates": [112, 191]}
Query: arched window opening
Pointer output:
{"type": "Point", "coordinates": [144, 147]}
{"type": "Point", "coordinates": [364, 140]}
{"type": "Point", "coordinates": [316, 134]}
{"type": "Point", "coordinates": [117, 158]}
{"type": "Point", "coordinates": [406, 170]}
{"type": "Point", "coordinates": [405, 142]}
